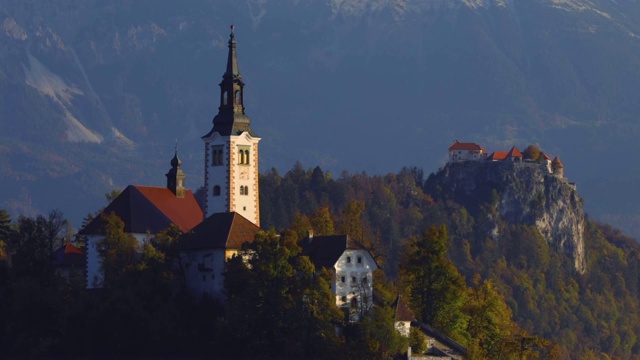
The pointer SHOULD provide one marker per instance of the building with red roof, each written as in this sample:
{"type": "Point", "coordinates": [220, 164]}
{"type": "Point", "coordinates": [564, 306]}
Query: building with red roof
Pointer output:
{"type": "Point", "coordinates": [514, 155]}
{"type": "Point", "coordinates": [145, 211]}
{"type": "Point", "coordinates": [69, 260]}
{"type": "Point", "coordinates": [462, 151]}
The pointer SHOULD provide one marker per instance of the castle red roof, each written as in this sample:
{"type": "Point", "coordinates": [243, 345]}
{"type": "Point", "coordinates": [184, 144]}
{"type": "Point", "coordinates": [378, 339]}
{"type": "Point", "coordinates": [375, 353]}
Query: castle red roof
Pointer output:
{"type": "Point", "coordinates": [556, 163]}
{"type": "Point", "coordinates": [545, 156]}
{"type": "Point", "coordinates": [225, 230]}
{"type": "Point", "coordinates": [497, 156]}
{"type": "Point", "coordinates": [457, 145]}
{"type": "Point", "coordinates": [150, 209]}
{"type": "Point", "coordinates": [514, 152]}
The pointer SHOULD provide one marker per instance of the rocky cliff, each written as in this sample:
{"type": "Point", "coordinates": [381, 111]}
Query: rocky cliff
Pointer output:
{"type": "Point", "coordinates": [527, 194]}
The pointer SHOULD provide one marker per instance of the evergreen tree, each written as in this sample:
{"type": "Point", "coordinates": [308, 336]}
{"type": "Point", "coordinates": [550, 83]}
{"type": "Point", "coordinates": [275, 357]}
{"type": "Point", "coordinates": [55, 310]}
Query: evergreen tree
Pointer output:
{"type": "Point", "coordinates": [434, 286]}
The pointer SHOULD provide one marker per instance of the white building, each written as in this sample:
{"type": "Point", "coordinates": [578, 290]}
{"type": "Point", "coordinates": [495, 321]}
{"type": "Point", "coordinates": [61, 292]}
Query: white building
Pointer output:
{"type": "Point", "coordinates": [353, 267]}
{"type": "Point", "coordinates": [205, 250]}
{"type": "Point", "coordinates": [145, 211]}
{"type": "Point", "coordinates": [461, 151]}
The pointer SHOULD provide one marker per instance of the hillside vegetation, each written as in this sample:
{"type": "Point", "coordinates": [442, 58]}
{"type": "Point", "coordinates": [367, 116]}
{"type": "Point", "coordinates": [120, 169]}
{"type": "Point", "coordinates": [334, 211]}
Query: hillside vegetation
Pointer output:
{"type": "Point", "coordinates": [586, 315]}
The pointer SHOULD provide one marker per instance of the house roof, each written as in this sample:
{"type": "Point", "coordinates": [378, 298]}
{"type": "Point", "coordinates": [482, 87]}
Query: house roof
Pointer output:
{"type": "Point", "coordinates": [226, 230]}
{"type": "Point", "coordinates": [324, 251]}
{"type": "Point", "coordinates": [440, 337]}
{"type": "Point", "coordinates": [514, 152]}
{"type": "Point", "coordinates": [556, 163]}
{"type": "Point", "coordinates": [68, 255]}
{"type": "Point", "coordinates": [545, 156]}
{"type": "Point", "coordinates": [403, 313]}
{"type": "Point", "coordinates": [497, 156]}
{"type": "Point", "coordinates": [457, 145]}
{"type": "Point", "coordinates": [150, 209]}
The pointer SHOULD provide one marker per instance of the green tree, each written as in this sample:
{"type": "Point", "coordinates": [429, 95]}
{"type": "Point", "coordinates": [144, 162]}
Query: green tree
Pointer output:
{"type": "Point", "coordinates": [5, 225]}
{"type": "Point", "coordinates": [277, 304]}
{"type": "Point", "coordinates": [434, 286]}
{"type": "Point", "coordinates": [490, 327]}
{"type": "Point", "coordinates": [118, 251]}
{"type": "Point", "coordinates": [321, 221]}
{"type": "Point", "coordinates": [376, 337]}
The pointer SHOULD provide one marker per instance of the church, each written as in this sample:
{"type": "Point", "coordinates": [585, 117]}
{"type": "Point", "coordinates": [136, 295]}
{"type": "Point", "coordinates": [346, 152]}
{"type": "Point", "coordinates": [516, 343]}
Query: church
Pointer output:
{"type": "Point", "coordinates": [230, 213]}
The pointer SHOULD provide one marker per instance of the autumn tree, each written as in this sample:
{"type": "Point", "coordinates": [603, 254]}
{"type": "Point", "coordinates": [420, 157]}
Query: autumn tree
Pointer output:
{"type": "Point", "coordinates": [532, 152]}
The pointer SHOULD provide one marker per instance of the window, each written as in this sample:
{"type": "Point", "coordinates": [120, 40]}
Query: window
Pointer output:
{"type": "Point", "coordinates": [244, 190]}
{"type": "Point", "coordinates": [216, 190]}
{"type": "Point", "coordinates": [216, 155]}
{"type": "Point", "coordinates": [353, 279]}
{"type": "Point", "coordinates": [348, 259]}
{"type": "Point", "coordinates": [224, 98]}
{"type": "Point", "coordinates": [365, 280]}
{"type": "Point", "coordinates": [359, 259]}
{"type": "Point", "coordinates": [241, 190]}
{"type": "Point", "coordinates": [243, 155]}
{"type": "Point", "coordinates": [343, 279]}
{"type": "Point", "coordinates": [238, 97]}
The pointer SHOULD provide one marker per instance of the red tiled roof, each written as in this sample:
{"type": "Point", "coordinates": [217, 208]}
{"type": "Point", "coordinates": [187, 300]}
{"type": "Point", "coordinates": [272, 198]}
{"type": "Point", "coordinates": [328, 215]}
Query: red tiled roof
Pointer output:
{"type": "Point", "coordinates": [497, 155]}
{"type": "Point", "coordinates": [226, 230]}
{"type": "Point", "coordinates": [545, 156]}
{"type": "Point", "coordinates": [150, 209]}
{"type": "Point", "coordinates": [184, 212]}
{"type": "Point", "coordinates": [68, 255]}
{"type": "Point", "coordinates": [457, 145]}
{"type": "Point", "coordinates": [403, 313]}
{"type": "Point", "coordinates": [556, 163]}
{"type": "Point", "coordinates": [514, 152]}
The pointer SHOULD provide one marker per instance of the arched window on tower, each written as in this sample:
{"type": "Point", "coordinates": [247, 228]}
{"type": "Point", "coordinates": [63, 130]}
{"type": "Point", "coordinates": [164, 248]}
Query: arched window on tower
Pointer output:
{"type": "Point", "coordinates": [246, 157]}
{"type": "Point", "coordinates": [216, 190]}
{"type": "Point", "coordinates": [246, 190]}
{"type": "Point", "coordinates": [241, 190]}
{"type": "Point", "coordinates": [224, 98]}
{"type": "Point", "coordinates": [238, 97]}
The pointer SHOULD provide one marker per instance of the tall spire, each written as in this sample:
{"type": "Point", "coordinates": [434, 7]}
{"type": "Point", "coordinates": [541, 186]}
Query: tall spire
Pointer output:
{"type": "Point", "coordinates": [233, 71]}
{"type": "Point", "coordinates": [231, 118]}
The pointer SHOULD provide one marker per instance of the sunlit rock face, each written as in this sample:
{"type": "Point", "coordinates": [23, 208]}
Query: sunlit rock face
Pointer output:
{"type": "Point", "coordinates": [528, 194]}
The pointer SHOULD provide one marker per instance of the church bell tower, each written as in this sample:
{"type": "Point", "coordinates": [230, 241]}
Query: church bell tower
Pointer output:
{"type": "Point", "coordinates": [231, 150]}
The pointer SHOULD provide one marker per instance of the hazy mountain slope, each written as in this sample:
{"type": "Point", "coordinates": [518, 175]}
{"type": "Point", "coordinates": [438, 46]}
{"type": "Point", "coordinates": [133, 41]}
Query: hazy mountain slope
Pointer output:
{"type": "Point", "coordinates": [358, 85]}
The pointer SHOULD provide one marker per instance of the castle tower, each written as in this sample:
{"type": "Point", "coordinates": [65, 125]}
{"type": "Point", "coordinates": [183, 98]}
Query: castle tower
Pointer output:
{"type": "Point", "coordinates": [175, 176]}
{"type": "Point", "coordinates": [558, 168]}
{"type": "Point", "coordinates": [231, 150]}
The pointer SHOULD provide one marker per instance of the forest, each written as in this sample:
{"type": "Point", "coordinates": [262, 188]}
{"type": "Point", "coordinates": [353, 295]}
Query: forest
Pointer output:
{"type": "Point", "coordinates": [509, 299]}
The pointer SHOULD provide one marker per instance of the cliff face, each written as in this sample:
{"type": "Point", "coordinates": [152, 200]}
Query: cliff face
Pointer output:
{"type": "Point", "coordinates": [528, 195]}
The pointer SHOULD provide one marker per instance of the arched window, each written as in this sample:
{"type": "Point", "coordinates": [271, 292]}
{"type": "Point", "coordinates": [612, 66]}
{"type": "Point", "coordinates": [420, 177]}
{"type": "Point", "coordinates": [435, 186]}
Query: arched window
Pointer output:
{"type": "Point", "coordinates": [246, 190]}
{"type": "Point", "coordinates": [246, 157]}
{"type": "Point", "coordinates": [216, 190]}
{"type": "Point", "coordinates": [241, 157]}
{"type": "Point", "coordinates": [241, 190]}
{"type": "Point", "coordinates": [224, 98]}
{"type": "Point", "coordinates": [238, 97]}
